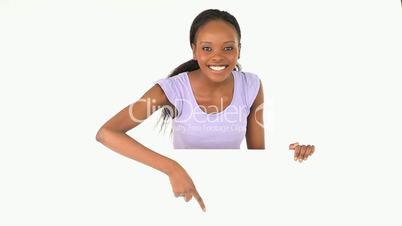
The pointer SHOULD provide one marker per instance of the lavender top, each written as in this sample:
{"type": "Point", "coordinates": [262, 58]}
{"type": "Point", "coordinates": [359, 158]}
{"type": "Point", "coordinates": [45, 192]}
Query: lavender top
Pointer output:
{"type": "Point", "coordinates": [195, 129]}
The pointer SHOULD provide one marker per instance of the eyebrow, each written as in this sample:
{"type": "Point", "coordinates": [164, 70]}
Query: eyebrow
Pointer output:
{"type": "Point", "coordinates": [211, 42]}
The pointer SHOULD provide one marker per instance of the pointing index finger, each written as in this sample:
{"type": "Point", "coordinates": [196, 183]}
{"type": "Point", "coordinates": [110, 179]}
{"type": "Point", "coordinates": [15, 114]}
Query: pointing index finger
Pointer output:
{"type": "Point", "coordinates": [199, 199]}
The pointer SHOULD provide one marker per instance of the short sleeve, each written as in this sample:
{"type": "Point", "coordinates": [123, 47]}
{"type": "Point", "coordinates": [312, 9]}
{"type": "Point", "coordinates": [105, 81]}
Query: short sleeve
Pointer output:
{"type": "Point", "coordinates": [171, 91]}
{"type": "Point", "coordinates": [252, 88]}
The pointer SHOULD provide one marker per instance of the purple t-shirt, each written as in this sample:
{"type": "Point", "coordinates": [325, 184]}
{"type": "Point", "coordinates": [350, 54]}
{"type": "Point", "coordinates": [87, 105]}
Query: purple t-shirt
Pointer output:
{"type": "Point", "coordinates": [195, 129]}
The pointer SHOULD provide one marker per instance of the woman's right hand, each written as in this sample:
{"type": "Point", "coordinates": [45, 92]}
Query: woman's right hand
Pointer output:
{"type": "Point", "coordinates": [182, 185]}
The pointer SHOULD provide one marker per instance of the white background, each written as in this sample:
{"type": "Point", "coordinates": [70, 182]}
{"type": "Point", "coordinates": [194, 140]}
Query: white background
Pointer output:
{"type": "Point", "coordinates": [331, 75]}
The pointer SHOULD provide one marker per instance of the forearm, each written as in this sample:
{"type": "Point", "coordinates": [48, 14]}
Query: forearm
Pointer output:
{"type": "Point", "coordinates": [129, 147]}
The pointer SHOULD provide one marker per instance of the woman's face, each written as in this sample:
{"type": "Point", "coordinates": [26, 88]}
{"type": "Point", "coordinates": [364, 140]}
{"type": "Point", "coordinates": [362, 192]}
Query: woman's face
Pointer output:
{"type": "Point", "coordinates": [216, 49]}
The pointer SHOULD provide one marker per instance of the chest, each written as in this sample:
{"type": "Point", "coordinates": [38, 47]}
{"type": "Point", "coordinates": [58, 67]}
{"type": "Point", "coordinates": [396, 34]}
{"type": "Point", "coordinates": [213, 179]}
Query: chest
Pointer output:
{"type": "Point", "coordinates": [213, 103]}
{"type": "Point", "coordinates": [211, 100]}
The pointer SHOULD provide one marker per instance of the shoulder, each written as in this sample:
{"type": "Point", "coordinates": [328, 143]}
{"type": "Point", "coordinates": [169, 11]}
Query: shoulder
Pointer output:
{"type": "Point", "coordinates": [172, 84]}
{"type": "Point", "coordinates": [175, 84]}
{"type": "Point", "coordinates": [174, 88]}
{"type": "Point", "coordinates": [250, 84]}
{"type": "Point", "coordinates": [248, 78]}
{"type": "Point", "coordinates": [174, 79]}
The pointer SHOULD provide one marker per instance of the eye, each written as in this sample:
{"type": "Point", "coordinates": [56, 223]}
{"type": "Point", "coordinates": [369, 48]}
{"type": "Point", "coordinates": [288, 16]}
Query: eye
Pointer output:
{"type": "Point", "coordinates": [228, 48]}
{"type": "Point", "coordinates": [208, 49]}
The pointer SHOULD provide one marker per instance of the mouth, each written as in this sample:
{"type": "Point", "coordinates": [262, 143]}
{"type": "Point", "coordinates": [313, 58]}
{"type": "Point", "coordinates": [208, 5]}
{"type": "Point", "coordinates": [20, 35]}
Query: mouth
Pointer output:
{"type": "Point", "coordinates": [217, 67]}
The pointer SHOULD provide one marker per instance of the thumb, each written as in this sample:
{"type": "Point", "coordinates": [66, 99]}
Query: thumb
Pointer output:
{"type": "Point", "coordinates": [293, 146]}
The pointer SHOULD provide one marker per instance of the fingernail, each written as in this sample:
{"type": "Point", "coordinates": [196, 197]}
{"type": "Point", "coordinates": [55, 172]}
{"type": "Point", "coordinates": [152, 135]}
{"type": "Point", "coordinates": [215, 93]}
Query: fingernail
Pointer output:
{"type": "Point", "coordinates": [205, 209]}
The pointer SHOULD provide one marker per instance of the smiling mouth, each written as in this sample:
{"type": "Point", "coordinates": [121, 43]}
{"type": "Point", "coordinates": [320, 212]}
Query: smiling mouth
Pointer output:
{"type": "Point", "coordinates": [217, 67]}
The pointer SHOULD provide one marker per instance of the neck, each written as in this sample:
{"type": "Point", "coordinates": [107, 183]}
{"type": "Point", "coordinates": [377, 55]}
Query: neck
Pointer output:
{"type": "Point", "coordinates": [209, 84]}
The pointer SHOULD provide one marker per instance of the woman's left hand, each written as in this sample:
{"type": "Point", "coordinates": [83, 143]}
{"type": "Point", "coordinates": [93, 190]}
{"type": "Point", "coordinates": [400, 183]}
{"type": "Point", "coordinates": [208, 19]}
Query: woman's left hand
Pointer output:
{"type": "Point", "coordinates": [302, 152]}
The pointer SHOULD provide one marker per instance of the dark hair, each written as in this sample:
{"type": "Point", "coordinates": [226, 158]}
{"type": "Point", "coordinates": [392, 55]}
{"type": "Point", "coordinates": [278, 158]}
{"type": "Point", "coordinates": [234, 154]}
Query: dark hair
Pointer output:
{"type": "Point", "coordinates": [192, 65]}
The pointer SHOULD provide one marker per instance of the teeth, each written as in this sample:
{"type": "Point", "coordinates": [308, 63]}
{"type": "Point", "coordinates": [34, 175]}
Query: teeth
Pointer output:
{"type": "Point", "coordinates": [217, 68]}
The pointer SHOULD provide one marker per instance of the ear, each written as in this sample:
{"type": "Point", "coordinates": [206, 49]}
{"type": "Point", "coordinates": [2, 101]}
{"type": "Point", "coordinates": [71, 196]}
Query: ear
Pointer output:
{"type": "Point", "coordinates": [193, 47]}
{"type": "Point", "coordinates": [239, 50]}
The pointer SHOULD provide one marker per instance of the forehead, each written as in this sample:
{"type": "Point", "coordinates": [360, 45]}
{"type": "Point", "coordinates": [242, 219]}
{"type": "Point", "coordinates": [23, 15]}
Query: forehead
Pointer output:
{"type": "Point", "coordinates": [216, 31]}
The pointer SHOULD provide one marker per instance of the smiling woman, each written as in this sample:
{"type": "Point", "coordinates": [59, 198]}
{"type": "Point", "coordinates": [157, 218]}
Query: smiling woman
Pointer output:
{"type": "Point", "coordinates": [213, 84]}
{"type": "Point", "coordinates": [213, 104]}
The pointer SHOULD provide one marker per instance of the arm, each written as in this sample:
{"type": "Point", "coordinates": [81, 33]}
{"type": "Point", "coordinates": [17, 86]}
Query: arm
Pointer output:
{"type": "Point", "coordinates": [113, 133]}
{"type": "Point", "coordinates": [255, 123]}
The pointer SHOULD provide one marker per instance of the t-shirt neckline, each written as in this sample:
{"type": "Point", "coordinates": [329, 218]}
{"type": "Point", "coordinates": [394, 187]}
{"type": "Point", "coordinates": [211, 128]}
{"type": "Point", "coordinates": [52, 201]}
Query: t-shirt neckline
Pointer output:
{"type": "Point", "coordinates": [197, 106]}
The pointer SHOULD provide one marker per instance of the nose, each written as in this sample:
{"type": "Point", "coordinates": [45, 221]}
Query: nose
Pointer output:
{"type": "Point", "coordinates": [217, 56]}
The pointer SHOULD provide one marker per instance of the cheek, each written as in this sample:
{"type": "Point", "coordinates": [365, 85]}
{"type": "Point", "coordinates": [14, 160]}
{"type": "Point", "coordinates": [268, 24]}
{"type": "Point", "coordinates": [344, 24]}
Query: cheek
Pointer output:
{"type": "Point", "coordinates": [202, 58]}
{"type": "Point", "coordinates": [233, 57]}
